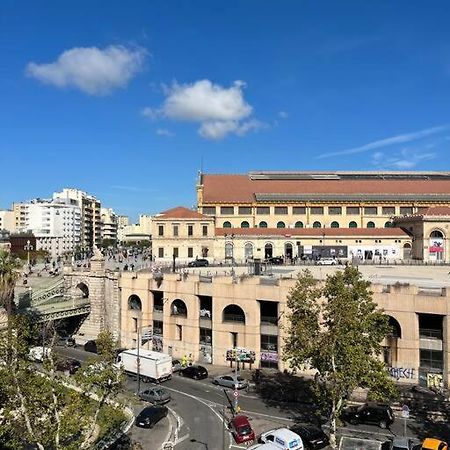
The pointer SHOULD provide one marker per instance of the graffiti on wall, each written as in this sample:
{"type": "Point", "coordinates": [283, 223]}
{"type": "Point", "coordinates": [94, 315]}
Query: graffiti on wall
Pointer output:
{"type": "Point", "coordinates": [434, 381]}
{"type": "Point", "coordinates": [401, 373]}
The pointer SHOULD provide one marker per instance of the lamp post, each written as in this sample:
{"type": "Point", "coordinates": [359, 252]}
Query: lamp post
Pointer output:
{"type": "Point", "coordinates": [138, 360]}
{"type": "Point", "coordinates": [28, 247]}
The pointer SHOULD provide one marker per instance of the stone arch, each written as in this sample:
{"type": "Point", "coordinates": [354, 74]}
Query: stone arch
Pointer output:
{"type": "Point", "coordinates": [245, 224]}
{"type": "Point", "coordinates": [334, 224]}
{"type": "Point", "coordinates": [248, 250]}
{"type": "Point", "coordinates": [370, 224]}
{"type": "Point", "coordinates": [317, 224]}
{"type": "Point", "coordinates": [178, 308]}
{"type": "Point", "coordinates": [227, 224]}
{"type": "Point", "coordinates": [82, 289]}
{"type": "Point", "coordinates": [298, 224]}
{"type": "Point", "coordinates": [396, 329]}
{"type": "Point", "coordinates": [437, 233]}
{"type": "Point", "coordinates": [229, 250]}
{"type": "Point", "coordinates": [407, 250]}
{"type": "Point", "coordinates": [268, 250]}
{"type": "Point", "coordinates": [288, 250]}
{"type": "Point", "coordinates": [388, 224]}
{"type": "Point", "coordinates": [233, 313]}
{"type": "Point", "coordinates": [263, 224]}
{"type": "Point", "coordinates": [134, 303]}
{"type": "Point", "coordinates": [353, 224]}
{"type": "Point", "coordinates": [281, 224]}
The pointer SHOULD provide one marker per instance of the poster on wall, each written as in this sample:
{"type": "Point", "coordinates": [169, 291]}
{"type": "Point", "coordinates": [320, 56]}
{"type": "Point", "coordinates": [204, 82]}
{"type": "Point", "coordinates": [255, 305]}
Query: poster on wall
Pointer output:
{"type": "Point", "coordinates": [436, 245]}
{"type": "Point", "coordinates": [242, 355]}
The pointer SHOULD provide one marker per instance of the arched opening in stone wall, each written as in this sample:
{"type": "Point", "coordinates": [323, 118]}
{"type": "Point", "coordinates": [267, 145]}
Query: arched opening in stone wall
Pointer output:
{"type": "Point", "coordinates": [178, 308]}
{"type": "Point", "coordinates": [233, 313]}
{"type": "Point", "coordinates": [82, 290]}
{"type": "Point", "coordinates": [134, 303]}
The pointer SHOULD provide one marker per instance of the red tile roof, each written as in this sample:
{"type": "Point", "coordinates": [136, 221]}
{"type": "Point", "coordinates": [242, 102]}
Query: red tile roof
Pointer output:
{"type": "Point", "coordinates": [436, 211]}
{"type": "Point", "coordinates": [315, 232]}
{"type": "Point", "coordinates": [180, 212]}
{"type": "Point", "coordinates": [242, 188]}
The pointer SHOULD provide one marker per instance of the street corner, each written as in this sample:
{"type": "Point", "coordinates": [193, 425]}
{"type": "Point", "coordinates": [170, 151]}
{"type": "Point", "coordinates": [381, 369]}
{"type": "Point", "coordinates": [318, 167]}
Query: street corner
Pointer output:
{"type": "Point", "coordinates": [263, 423]}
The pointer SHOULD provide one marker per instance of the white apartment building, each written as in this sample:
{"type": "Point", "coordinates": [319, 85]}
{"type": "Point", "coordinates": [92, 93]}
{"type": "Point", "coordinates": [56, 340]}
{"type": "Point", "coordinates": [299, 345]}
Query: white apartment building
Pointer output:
{"type": "Point", "coordinates": [7, 220]}
{"type": "Point", "coordinates": [56, 225]}
{"type": "Point", "coordinates": [109, 224]}
{"type": "Point", "coordinates": [140, 231]}
{"type": "Point", "coordinates": [91, 225]}
{"type": "Point", "coordinates": [122, 222]}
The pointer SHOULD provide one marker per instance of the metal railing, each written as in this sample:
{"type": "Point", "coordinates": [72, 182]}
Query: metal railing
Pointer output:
{"type": "Point", "coordinates": [234, 318]}
{"type": "Point", "coordinates": [428, 333]}
{"type": "Point", "coordinates": [271, 320]}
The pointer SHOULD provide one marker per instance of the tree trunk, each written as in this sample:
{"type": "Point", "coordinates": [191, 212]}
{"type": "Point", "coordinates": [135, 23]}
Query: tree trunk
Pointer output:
{"type": "Point", "coordinates": [333, 426]}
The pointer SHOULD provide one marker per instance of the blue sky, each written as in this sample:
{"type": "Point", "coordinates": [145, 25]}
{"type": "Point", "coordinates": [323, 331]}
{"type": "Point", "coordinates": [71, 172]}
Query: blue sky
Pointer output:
{"type": "Point", "coordinates": [126, 100]}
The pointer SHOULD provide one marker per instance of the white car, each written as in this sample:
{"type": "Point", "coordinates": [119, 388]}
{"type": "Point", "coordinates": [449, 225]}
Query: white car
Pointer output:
{"type": "Point", "coordinates": [282, 438]}
{"type": "Point", "coordinates": [326, 262]}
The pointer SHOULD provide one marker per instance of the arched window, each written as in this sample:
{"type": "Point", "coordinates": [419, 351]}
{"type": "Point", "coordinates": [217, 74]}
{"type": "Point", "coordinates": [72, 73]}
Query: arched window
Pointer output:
{"type": "Point", "coordinates": [268, 250]}
{"type": "Point", "coordinates": [288, 250]}
{"type": "Point", "coordinates": [396, 330]}
{"type": "Point", "coordinates": [299, 224]}
{"type": "Point", "coordinates": [388, 224]}
{"type": "Point", "coordinates": [233, 313]}
{"type": "Point", "coordinates": [134, 303]}
{"type": "Point", "coordinates": [229, 250]}
{"type": "Point", "coordinates": [437, 234]}
{"type": "Point", "coordinates": [317, 225]}
{"type": "Point", "coordinates": [83, 290]}
{"type": "Point", "coordinates": [178, 308]}
{"type": "Point", "coordinates": [263, 224]}
{"type": "Point", "coordinates": [248, 250]}
{"type": "Point", "coordinates": [334, 224]}
{"type": "Point", "coordinates": [370, 225]}
{"type": "Point", "coordinates": [227, 224]}
{"type": "Point", "coordinates": [281, 225]}
{"type": "Point", "coordinates": [353, 224]}
{"type": "Point", "coordinates": [245, 224]}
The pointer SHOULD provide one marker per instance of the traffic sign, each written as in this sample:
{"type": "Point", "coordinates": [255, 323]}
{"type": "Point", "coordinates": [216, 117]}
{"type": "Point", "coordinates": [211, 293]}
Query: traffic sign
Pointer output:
{"type": "Point", "coordinates": [236, 394]}
{"type": "Point", "coordinates": [405, 412]}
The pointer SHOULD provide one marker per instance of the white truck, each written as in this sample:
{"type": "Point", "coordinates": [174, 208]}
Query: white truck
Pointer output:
{"type": "Point", "coordinates": [153, 366]}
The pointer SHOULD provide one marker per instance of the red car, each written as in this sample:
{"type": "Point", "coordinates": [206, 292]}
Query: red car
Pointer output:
{"type": "Point", "coordinates": [241, 430]}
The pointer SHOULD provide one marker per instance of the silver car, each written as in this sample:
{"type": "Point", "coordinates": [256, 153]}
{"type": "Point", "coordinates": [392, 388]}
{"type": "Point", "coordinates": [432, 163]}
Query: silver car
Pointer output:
{"type": "Point", "coordinates": [229, 381]}
{"type": "Point", "coordinates": [156, 395]}
{"type": "Point", "coordinates": [404, 443]}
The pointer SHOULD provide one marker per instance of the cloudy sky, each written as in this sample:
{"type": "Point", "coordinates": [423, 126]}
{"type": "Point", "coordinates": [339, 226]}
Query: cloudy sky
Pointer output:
{"type": "Point", "coordinates": [129, 100]}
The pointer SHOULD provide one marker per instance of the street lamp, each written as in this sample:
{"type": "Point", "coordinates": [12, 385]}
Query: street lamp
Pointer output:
{"type": "Point", "coordinates": [28, 247]}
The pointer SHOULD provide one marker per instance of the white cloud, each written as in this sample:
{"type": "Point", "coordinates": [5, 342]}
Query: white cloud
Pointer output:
{"type": "Point", "coordinates": [283, 115]}
{"type": "Point", "coordinates": [399, 139]}
{"type": "Point", "coordinates": [220, 111]}
{"type": "Point", "coordinates": [406, 159]}
{"type": "Point", "coordinates": [90, 69]}
{"type": "Point", "coordinates": [164, 132]}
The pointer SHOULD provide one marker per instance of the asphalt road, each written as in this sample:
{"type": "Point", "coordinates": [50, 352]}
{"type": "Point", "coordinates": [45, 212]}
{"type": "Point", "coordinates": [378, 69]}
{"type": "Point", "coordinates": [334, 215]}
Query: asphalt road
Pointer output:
{"type": "Point", "coordinates": [197, 415]}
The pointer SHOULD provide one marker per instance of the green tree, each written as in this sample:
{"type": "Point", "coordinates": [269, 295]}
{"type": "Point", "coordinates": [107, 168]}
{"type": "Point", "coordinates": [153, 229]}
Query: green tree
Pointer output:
{"type": "Point", "coordinates": [336, 329]}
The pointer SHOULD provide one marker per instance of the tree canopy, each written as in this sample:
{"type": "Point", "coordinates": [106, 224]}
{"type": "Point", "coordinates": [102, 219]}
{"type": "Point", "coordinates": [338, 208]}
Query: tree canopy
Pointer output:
{"type": "Point", "coordinates": [336, 329]}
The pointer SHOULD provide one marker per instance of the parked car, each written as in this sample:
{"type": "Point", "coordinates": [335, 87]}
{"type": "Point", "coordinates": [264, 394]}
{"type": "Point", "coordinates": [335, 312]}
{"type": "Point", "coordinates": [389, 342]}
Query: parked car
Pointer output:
{"type": "Point", "coordinates": [403, 443]}
{"type": "Point", "coordinates": [241, 430]}
{"type": "Point", "coordinates": [275, 260]}
{"type": "Point", "coordinates": [326, 262]}
{"type": "Point", "coordinates": [90, 346]}
{"type": "Point", "coordinates": [68, 365]}
{"type": "Point", "coordinates": [313, 437]}
{"type": "Point", "coordinates": [198, 263]}
{"type": "Point", "coordinates": [229, 381]}
{"type": "Point", "coordinates": [39, 353]}
{"type": "Point", "coordinates": [150, 416]}
{"type": "Point", "coordinates": [176, 365]}
{"type": "Point", "coordinates": [283, 438]}
{"type": "Point", "coordinates": [434, 444]}
{"type": "Point", "coordinates": [156, 395]}
{"type": "Point", "coordinates": [371, 413]}
{"type": "Point", "coordinates": [195, 372]}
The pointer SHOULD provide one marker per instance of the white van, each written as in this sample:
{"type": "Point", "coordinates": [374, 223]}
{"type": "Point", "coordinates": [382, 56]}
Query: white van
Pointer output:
{"type": "Point", "coordinates": [283, 439]}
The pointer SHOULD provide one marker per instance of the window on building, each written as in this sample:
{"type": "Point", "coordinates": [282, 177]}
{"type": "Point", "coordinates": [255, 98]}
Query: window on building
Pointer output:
{"type": "Point", "coordinates": [388, 210]}
{"type": "Point", "coordinates": [248, 250]}
{"type": "Point", "coordinates": [353, 224]}
{"type": "Point", "coordinates": [281, 210]}
{"type": "Point", "coordinates": [228, 250]}
{"type": "Point", "coordinates": [334, 210]}
{"type": "Point", "coordinates": [334, 224]}
{"type": "Point", "coordinates": [175, 252]}
{"type": "Point", "coordinates": [158, 327]}
{"type": "Point", "coordinates": [269, 351]}
{"type": "Point", "coordinates": [209, 210]}
{"type": "Point", "coordinates": [135, 324]}
{"type": "Point", "coordinates": [263, 224]}
{"type": "Point", "coordinates": [160, 252]}
{"type": "Point", "coordinates": [298, 224]}
{"type": "Point", "coordinates": [227, 224]}
{"type": "Point", "coordinates": [316, 209]}
{"type": "Point", "coordinates": [160, 230]}
{"type": "Point", "coordinates": [234, 339]}
{"type": "Point", "coordinates": [190, 252]}
{"type": "Point", "coordinates": [431, 359]}
{"type": "Point", "coordinates": [245, 210]}
{"type": "Point", "coordinates": [263, 210]}
{"type": "Point", "coordinates": [281, 225]}
{"type": "Point", "coordinates": [317, 225]}
{"type": "Point", "coordinates": [269, 343]}
{"type": "Point", "coordinates": [175, 230]}
{"type": "Point", "coordinates": [370, 225]}
{"type": "Point", "coordinates": [299, 210]}
{"type": "Point", "coordinates": [352, 210]}
{"type": "Point", "coordinates": [371, 210]}
{"type": "Point", "coordinates": [190, 229]}
{"type": "Point", "coordinates": [179, 330]}
{"type": "Point", "coordinates": [227, 210]}
{"type": "Point", "coordinates": [245, 224]}
{"type": "Point", "coordinates": [388, 225]}
{"type": "Point", "coordinates": [204, 230]}
{"type": "Point", "coordinates": [205, 336]}
{"type": "Point", "coordinates": [405, 210]}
